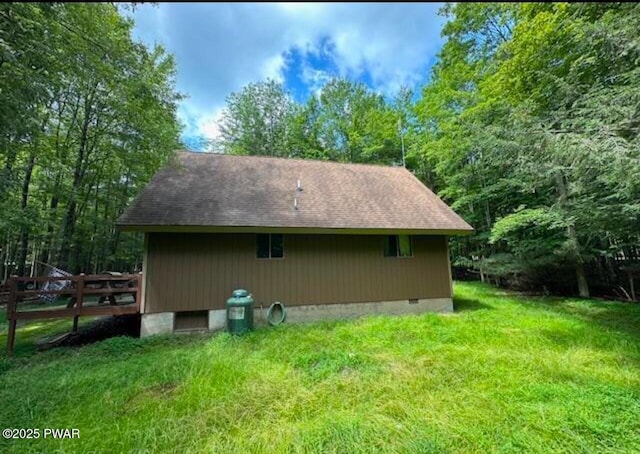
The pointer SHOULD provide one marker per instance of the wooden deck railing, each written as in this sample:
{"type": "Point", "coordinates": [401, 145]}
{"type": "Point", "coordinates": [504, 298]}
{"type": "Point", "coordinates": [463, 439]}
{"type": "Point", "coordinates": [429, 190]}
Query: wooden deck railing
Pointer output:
{"type": "Point", "coordinates": [104, 286]}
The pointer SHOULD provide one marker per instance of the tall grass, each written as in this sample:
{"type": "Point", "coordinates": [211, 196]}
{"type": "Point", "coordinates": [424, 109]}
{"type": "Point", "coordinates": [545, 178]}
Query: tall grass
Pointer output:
{"type": "Point", "coordinates": [502, 374]}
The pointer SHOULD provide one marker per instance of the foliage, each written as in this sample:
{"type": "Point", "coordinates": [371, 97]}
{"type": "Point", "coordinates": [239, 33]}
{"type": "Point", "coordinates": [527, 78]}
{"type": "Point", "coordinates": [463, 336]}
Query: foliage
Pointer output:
{"type": "Point", "coordinates": [258, 120]}
{"type": "Point", "coordinates": [87, 116]}
{"type": "Point", "coordinates": [505, 373]}
{"type": "Point", "coordinates": [534, 106]}
{"type": "Point", "coordinates": [525, 229]}
{"type": "Point", "coordinates": [346, 122]}
{"type": "Point", "coordinates": [535, 239]}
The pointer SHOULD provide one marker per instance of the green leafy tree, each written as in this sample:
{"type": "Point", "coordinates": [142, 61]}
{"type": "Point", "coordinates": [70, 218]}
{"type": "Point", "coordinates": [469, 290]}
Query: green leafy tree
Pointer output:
{"type": "Point", "coordinates": [258, 120]}
{"type": "Point", "coordinates": [345, 122]}
{"type": "Point", "coordinates": [90, 115]}
{"type": "Point", "coordinates": [354, 122]}
{"type": "Point", "coordinates": [531, 111]}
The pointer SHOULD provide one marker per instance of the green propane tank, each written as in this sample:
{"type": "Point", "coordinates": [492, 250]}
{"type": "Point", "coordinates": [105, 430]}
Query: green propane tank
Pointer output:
{"type": "Point", "coordinates": [240, 312]}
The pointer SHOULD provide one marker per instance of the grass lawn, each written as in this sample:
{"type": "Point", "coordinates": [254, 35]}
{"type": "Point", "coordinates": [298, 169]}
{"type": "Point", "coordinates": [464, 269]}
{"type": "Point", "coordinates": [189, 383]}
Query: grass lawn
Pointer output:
{"type": "Point", "coordinates": [503, 374]}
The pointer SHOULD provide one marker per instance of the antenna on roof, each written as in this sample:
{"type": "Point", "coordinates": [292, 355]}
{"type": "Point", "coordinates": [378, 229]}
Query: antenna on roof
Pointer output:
{"type": "Point", "coordinates": [401, 132]}
{"type": "Point", "coordinates": [295, 197]}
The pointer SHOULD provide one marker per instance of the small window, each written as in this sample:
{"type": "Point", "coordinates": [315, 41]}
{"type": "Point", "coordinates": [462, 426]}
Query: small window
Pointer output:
{"type": "Point", "coordinates": [397, 246]}
{"type": "Point", "coordinates": [404, 246]}
{"type": "Point", "coordinates": [277, 245]}
{"type": "Point", "coordinates": [262, 246]}
{"type": "Point", "coordinates": [391, 246]}
{"type": "Point", "coordinates": [270, 245]}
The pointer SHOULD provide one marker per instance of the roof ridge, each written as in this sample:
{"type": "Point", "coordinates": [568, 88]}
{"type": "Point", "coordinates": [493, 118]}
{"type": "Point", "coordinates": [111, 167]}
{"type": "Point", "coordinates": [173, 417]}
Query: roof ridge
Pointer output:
{"type": "Point", "coordinates": [305, 160]}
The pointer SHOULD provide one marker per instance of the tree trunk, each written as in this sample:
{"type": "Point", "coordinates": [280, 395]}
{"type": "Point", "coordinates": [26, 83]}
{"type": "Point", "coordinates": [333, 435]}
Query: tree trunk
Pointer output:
{"type": "Point", "coordinates": [5, 176]}
{"type": "Point", "coordinates": [67, 234]}
{"type": "Point", "coordinates": [4, 256]}
{"type": "Point", "coordinates": [487, 216]}
{"type": "Point", "coordinates": [47, 253]}
{"type": "Point", "coordinates": [69, 224]}
{"type": "Point", "coordinates": [24, 229]}
{"type": "Point", "coordinates": [583, 286]}
{"type": "Point", "coordinates": [581, 276]}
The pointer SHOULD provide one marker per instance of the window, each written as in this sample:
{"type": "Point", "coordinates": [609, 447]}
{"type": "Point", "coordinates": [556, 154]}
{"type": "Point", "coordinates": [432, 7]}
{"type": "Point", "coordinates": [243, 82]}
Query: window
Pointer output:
{"type": "Point", "coordinates": [404, 246]}
{"type": "Point", "coordinates": [277, 245]}
{"type": "Point", "coordinates": [397, 246]}
{"type": "Point", "coordinates": [270, 245]}
{"type": "Point", "coordinates": [391, 246]}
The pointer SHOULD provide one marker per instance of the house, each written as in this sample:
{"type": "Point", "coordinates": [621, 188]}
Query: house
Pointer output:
{"type": "Point", "coordinates": [325, 239]}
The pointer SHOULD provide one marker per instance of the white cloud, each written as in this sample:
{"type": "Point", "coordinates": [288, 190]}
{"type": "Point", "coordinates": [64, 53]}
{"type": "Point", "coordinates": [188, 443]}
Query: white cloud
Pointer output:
{"type": "Point", "coordinates": [221, 47]}
{"type": "Point", "coordinates": [393, 42]}
{"type": "Point", "coordinates": [208, 124]}
{"type": "Point", "coordinates": [315, 79]}
{"type": "Point", "coordinates": [272, 67]}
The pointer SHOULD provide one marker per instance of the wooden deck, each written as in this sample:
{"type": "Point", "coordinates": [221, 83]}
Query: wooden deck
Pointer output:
{"type": "Point", "coordinates": [78, 288]}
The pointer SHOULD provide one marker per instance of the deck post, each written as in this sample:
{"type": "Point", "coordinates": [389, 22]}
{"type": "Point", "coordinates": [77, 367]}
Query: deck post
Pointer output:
{"type": "Point", "coordinates": [11, 310]}
{"type": "Point", "coordinates": [633, 290]}
{"type": "Point", "coordinates": [79, 301]}
{"type": "Point", "coordinates": [138, 295]}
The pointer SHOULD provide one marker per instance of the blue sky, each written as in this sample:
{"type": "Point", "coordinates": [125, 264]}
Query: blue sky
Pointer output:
{"type": "Point", "coordinates": [221, 47]}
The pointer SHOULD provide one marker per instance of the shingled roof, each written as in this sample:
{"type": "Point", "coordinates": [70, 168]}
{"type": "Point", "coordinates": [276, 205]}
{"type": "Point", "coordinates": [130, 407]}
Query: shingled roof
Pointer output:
{"type": "Point", "coordinates": [209, 192]}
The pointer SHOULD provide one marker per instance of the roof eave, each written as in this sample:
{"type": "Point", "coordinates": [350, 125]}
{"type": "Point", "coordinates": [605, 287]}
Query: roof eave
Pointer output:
{"type": "Point", "coordinates": [281, 229]}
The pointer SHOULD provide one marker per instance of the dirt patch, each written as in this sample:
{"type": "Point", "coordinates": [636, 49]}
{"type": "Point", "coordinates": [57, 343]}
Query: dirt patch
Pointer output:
{"type": "Point", "coordinates": [98, 330]}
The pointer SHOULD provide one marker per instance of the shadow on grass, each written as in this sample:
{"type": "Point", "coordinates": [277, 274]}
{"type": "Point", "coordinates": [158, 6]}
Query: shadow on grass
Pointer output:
{"type": "Point", "coordinates": [462, 304]}
{"type": "Point", "coordinates": [610, 316]}
{"type": "Point", "coordinates": [621, 317]}
{"type": "Point", "coordinates": [32, 336]}
{"type": "Point", "coordinates": [105, 328]}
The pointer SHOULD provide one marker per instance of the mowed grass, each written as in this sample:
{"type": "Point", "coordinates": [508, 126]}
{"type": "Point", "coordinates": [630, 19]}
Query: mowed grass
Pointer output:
{"type": "Point", "coordinates": [503, 374]}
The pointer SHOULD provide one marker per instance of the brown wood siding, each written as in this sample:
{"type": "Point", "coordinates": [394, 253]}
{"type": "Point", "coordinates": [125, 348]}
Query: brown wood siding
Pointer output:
{"type": "Point", "coordinates": [187, 271]}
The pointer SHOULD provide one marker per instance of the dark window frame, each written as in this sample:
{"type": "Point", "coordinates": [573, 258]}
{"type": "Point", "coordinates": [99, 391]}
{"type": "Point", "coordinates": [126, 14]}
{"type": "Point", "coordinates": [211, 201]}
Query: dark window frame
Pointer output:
{"type": "Point", "coordinates": [270, 246]}
{"type": "Point", "coordinates": [396, 240]}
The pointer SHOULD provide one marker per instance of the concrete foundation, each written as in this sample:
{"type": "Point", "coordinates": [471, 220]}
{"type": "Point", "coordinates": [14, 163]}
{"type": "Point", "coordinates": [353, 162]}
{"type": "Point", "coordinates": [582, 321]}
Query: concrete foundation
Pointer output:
{"type": "Point", "coordinates": [217, 319]}
{"type": "Point", "coordinates": [163, 322]}
{"type": "Point", "coordinates": [159, 323]}
{"type": "Point", "coordinates": [318, 312]}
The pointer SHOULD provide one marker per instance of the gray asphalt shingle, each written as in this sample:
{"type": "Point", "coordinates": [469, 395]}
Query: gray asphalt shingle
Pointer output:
{"type": "Point", "coordinates": [215, 190]}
